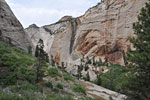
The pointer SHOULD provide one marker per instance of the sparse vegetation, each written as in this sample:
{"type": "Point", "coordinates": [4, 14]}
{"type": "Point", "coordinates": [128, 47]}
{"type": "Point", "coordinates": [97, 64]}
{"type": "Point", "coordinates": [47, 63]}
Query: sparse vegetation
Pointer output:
{"type": "Point", "coordinates": [15, 65]}
{"type": "Point", "coordinates": [49, 85]}
{"type": "Point", "coordinates": [53, 72]}
{"type": "Point", "coordinates": [79, 88]}
{"type": "Point", "coordinates": [60, 86]}
{"type": "Point", "coordinates": [4, 96]}
{"type": "Point", "coordinates": [68, 77]}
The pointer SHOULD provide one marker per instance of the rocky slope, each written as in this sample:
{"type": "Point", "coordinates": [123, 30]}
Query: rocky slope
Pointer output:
{"type": "Point", "coordinates": [11, 29]}
{"type": "Point", "coordinates": [103, 32]}
{"type": "Point", "coordinates": [102, 93]}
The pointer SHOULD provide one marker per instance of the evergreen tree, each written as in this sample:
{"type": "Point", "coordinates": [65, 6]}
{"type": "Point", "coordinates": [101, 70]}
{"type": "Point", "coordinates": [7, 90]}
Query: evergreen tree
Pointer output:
{"type": "Point", "coordinates": [42, 59]}
{"type": "Point", "coordinates": [52, 60]}
{"type": "Point", "coordinates": [140, 58]}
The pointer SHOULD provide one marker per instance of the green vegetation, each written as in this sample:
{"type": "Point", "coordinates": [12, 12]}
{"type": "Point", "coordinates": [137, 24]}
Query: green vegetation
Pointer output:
{"type": "Point", "coordinates": [116, 78]}
{"type": "Point", "coordinates": [57, 97]}
{"type": "Point", "coordinates": [25, 86]}
{"type": "Point", "coordinates": [12, 57]}
{"type": "Point", "coordinates": [68, 77]}
{"type": "Point", "coordinates": [79, 88]}
{"type": "Point", "coordinates": [15, 65]}
{"type": "Point", "coordinates": [88, 98]}
{"type": "Point", "coordinates": [4, 96]}
{"type": "Point", "coordinates": [59, 85]}
{"type": "Point", "coordinates": [49, 84]}
{"type": "Point", "coordinates": [134, 78]}
{"type": "Point", "coordinates": [53, 72]}
{"type": "Point", "coordinates": [42, 60]}
{"type": "Point", "coordinates": [140, 58]}
{"type": "Point", "coordinates": [24, 77]}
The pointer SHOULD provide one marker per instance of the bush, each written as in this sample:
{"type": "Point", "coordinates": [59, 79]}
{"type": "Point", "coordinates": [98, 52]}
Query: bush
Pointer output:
{"type": "Point", "coordinates": [53, 72]}
{"type": "Point", "coordinates": [79, 88]}
{"type": "Point", "coordinates": [49, 84]}
{"type": "Point", "coordinates": [26, 74]}
{"type": "Point", "coordinates": [60, 86]}
{"type": "Point", "coordinates": [68, 77]}
{"type": "Point", "coordinates": [10, 80]}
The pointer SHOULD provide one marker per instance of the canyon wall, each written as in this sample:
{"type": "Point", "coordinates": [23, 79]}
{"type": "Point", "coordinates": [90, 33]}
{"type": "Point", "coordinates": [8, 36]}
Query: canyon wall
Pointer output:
{"type": "Point", "coordinates": [11, 29]}
{"type": "Point", "coordinates": [103, 32]}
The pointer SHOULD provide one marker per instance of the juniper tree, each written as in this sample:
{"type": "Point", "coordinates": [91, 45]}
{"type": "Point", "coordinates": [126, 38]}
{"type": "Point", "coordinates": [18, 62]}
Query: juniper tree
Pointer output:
{"type": "Point", "coordinates": [140, 58]}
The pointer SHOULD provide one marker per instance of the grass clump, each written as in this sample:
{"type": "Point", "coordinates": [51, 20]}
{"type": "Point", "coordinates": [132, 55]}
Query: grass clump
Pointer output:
{"type": "Point", "coordinates": [79, 88]}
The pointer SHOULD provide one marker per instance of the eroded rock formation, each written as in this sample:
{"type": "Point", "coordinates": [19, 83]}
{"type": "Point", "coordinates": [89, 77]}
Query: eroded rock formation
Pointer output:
{"type": "Point", "coordinates": [103, 31]}
{"type": "Point", "coordinates": [11, 29]}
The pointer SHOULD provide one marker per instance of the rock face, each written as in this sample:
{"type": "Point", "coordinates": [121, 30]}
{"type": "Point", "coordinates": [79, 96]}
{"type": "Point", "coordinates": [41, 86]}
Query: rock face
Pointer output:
{"type": "Point", "coordinates": [103, 31]}
{"type": "Point", "coordinates": [102, 93]}
{"type": "Point", "coordinates": [11, 30]}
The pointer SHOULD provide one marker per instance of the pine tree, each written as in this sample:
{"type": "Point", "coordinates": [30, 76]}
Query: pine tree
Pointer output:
{"type": "Point", "coordinates": [42, 59]}
{"type": "Point", "coordinates": [140, 58]}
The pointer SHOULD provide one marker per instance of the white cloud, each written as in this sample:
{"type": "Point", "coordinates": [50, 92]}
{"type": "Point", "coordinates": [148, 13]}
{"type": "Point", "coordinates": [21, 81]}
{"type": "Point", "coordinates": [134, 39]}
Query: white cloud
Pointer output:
{"type": "Point", "coordinates": [41, 14]}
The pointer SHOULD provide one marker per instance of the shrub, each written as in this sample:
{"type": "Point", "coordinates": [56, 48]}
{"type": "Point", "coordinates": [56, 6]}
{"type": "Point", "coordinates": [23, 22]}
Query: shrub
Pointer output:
{"type": "Point", "coordinates": [25, 86]}
{"type": "Point", "coordinates": [79, 88]}
{"type": "Point", "coordinates": [28, 91]}
{"type": "Point", "coordinates": [55, 90]}
{"type": "Point", "coordinates": [68, 77]}
{"type": "Point", "coordinates": [10, 80]}
{"type": "Point", "coordinates": [4, 96]}
{"type": "Point", "coordinates": [49, 84]}
{"type": "Point", "coordinates": [15, 62]}
{"type": "Point", "coordinates": [60, 86]}
{"type": "Point", "coordinates": [26, 74]}
{"type": "Point", "coordinates": [53, 72]}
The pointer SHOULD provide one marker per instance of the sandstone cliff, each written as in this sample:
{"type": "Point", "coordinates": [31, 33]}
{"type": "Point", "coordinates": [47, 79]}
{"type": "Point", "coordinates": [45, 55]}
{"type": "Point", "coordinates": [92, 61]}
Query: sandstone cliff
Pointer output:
{"type": "Point", "coordinates": [11, 30]}
{"type": "Point", "coordinates": [103, 32]}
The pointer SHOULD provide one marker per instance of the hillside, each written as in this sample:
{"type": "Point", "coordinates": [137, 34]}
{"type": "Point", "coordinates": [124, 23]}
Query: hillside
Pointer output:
{"type": "Point", "coordinates": [101, 55]}
{"type": "Point", "coordinates": [17, 80]}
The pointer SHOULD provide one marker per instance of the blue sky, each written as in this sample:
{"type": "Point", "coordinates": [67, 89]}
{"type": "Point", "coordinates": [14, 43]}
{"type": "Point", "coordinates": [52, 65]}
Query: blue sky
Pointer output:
{"type": "Point", "coordinates": [44, 12]}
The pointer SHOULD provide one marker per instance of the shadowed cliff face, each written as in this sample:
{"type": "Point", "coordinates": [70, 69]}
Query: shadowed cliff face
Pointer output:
{"type": "Point", "coordinates": [103, 31]}
{"type": "Point", "coordinates": [11, 29]}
